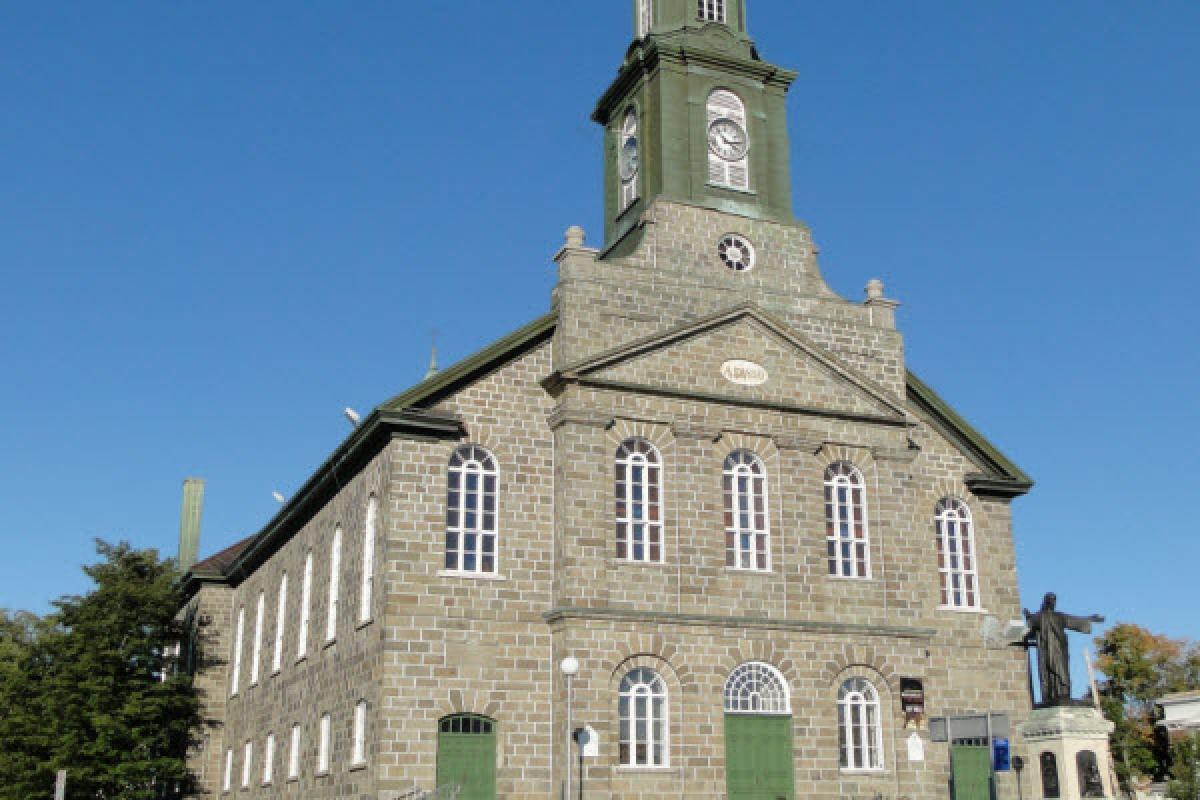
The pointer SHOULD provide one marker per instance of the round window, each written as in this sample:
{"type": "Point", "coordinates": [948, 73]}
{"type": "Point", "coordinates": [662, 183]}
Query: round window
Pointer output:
{"type": "Point", "coordinates": [736, 252]}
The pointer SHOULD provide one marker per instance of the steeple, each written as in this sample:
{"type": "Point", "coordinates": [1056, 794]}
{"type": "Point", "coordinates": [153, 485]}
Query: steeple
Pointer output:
{"type": "Point", "coordinates": [694, 116]}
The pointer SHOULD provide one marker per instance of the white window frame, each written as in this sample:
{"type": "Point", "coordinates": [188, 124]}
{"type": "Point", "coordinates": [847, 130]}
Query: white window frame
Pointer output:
{"type": "Point", "coordinates": [305, 608]}
{"type": "Point", "coordinates": [629, 188]}
{"type": "Point", "coordinates": [236, 677]}
{"type": "Point", "coordinates": [639, 494]}
{"type": "Point", "coordinates": [757, 688]}
{"type": "Point", "coordinates": [724, 104]}
{"type": "Point", "coordinates": [269, 760]}
{"type": "Point", "coordinates": [227, 783]}
{"type": "Point", "coordinates": [747, 512]}
{"type": "Point", "coordinates": [260, 613]}
{"type": "Point", "coordinates": [294, 754]}
{"type": "Point", "coordinates": [860, 727]}
{"type": "Point", "coordinates": [280, 624]}
{"type": "Point", "coordinates": [645, 17]}
{"type": "Point", "coordinates": [247, 762]}
{"type": "Point", "coordinates": [643, 717]}
{"type": "Point", "coordinates": [847, 526]}
{"type": "Point", "coordinates": [324, 735]}
{"type": "Point", "coordinates": [958, 555]}
{"type": "Point", "coordinates": [335, 579]}
{"type": "Point", "coordinates": [359, 753]}
{"type": "Point", "coordinates": [472, 514]}
{"type": "Point", "coordinates": [711, 10]}
{"type": "Point", "coordinates": [367, 589]}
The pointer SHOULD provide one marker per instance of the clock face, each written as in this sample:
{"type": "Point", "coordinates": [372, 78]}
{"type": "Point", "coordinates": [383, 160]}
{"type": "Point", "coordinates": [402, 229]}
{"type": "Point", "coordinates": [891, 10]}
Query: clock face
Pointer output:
{"type": "Point", "coordinates": [728, 139]}
{"type": "Point", "coordinates": [629, 160]}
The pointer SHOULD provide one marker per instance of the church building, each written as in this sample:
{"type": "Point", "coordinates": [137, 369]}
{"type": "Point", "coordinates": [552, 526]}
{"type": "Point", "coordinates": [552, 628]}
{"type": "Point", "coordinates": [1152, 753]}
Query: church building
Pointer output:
{"type": "Point", "coordinates": [701, 512]}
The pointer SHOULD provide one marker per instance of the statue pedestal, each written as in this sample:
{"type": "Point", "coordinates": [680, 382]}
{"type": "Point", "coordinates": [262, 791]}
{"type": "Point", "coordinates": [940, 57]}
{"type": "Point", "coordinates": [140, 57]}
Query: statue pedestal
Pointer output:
{"type": "Point", "coordinates": [1068, 752]}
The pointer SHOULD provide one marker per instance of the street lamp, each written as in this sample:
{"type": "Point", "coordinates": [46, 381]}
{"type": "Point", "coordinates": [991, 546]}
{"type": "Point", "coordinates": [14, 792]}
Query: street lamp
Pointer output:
{"type": "Point", "coordinates": [569, 667]}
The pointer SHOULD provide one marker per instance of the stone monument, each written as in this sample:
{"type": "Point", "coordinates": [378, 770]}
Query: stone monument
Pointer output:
{"type": "Point", "coordinates": [1067, 740]}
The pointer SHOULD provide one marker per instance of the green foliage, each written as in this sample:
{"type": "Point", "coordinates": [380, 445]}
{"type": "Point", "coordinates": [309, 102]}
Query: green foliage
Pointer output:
{"type": "Point", "coordinates": [1139, 668]}
{"type": "Point", "coordinates": [83, 688]}
{"type": "Point", "coordinates": [1185, 769]}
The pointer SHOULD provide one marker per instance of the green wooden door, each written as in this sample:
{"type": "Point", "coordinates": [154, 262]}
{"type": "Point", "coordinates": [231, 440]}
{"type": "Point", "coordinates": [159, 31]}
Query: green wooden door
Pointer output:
{"type": "Point", "coordinates": [972, 768]}
{"type": "Point", "coordinates": [467, 756]}
{"type": "Point", "coordinates": [758, 757]}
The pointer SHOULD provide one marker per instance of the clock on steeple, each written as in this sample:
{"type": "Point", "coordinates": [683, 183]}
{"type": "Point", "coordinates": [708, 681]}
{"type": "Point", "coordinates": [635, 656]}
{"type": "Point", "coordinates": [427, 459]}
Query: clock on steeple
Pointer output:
{"type": "Point", "coordinates": [694, 116]}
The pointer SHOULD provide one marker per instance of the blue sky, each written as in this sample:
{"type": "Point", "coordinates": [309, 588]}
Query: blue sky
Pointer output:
{"type": "Point", "coordinates": [220, 223]}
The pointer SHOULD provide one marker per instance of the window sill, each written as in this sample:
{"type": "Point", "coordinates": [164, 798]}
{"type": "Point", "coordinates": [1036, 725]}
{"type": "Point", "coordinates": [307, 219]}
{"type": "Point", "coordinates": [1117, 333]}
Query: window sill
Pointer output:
{"type": "Point", "coordinates": [366, 623]}
{"type": "Point", "coordinates": [962, 609]}
{"type": "Point", "coordinates": [629, 562]}
{"type": "Point", "coordinates": [850, 579]}
{"type": "Point", "coordinates": [300, 659]}
{"type": "Point", "coordinates": [478, 576]}
{"type": "Point", "coordinates": [321, 774]}
{"type": "Point", "coordinates": [876, 772]}
{"type": "Point", "coordinates": [358, 767]}
{"type": "Point", "coordinates": [750, 571]}
{"type": "Point", "coordinates": [276, 672]}
{"type": "Point", "coordinates": [733, 189]}
{"type": "Point", "coordinates": [628, 770]}
{"type": "Point", "coordinates": [329, 643]}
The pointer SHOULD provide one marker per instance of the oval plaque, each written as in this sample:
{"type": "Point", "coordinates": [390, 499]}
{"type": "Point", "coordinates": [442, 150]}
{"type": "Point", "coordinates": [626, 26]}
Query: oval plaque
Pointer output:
{"type": "Point", "coordinates": [744, 373]}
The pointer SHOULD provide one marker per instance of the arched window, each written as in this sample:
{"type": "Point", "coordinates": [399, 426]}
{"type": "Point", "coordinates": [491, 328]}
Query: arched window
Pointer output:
{"type": "Point", "coordinates": [848, 547]}
{"type": "Point", "coordinates": [643, 719]}
{"type": "Point", "coordinates": [471, 511]}
{"type": "Point", "coordinates": [358, 754]}
{"type": "Point", "coordinates": [756, 688]}
{"type": "Point", "coordinates": [240, 632]}
{"type": "Point", "coordinates": [729, 142]}
{"type": "Point", "coordinates": [629, 159]}
{"type": "Point", "coordinates": [859, 728]}
{"type": "Point", "coordinates": [956, 554]}
{"type": "Point", "coordinates": [368, 566]}
{"type": "Point", "coordinates": [747, 535]}
{"type": "Point", "coordinates": [256, 652]}
{"type": "Point", "coordinates": [280, 623]}
{"type": "Point", "coordinates": [645, 16]}
{"type": "Point", "coordinates": [305, 607]}
{"type": "Point", "coordinates": [1088, 768]}
{"type": "Point", "coordinates": [639, 501]}
{"type": "Point", "coordinates": [335, 576]}
{"type": "Point", "coordinates": [711, 10]}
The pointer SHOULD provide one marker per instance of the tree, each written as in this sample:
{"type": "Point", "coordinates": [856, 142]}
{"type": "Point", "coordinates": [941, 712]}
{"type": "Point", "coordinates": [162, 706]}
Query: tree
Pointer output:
{"type": "Point", "coordinates": [91, 691]}
{"type": "Point", "coordinates": [1139, 668]}
{"type": "Point", "coordinates": [1185, 769]}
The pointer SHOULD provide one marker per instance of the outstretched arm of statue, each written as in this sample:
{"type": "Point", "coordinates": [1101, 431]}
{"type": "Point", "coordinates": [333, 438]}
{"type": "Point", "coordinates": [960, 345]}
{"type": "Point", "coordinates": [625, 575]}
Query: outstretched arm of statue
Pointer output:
{"type": "Point", "coordinates": [1080, 624]}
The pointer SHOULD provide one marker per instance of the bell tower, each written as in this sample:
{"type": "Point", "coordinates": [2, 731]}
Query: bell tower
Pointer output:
{"type": "Point", "coordinates": [694, 116]}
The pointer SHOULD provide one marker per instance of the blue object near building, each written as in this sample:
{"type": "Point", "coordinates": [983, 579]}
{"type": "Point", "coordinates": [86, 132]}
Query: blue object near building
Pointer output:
{"type": "Point", "coordinates": [1001, 755]}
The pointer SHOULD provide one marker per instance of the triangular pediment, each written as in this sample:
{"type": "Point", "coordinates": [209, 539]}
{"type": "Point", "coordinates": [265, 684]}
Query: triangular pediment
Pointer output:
{"type": "Point", "coordinates": [742, 355]}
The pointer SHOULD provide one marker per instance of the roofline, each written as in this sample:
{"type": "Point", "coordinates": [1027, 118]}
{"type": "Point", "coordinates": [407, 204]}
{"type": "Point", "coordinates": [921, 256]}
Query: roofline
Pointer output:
{"type": "Point", "coordinates": [405, 415]}
{"type": "Point", "coordinates": [1009, 480]}
{"type": "Point", "coordinates": [362, 445]}
{"type": "Point", "coordinates": [475, 365]}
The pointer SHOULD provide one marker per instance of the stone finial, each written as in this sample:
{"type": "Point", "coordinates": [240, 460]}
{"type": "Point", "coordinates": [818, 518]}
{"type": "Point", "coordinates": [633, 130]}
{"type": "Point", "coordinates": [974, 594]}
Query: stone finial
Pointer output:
{"type": "Point", "coordinates": [874, 289]}
{"type": "Point", "coordinates": [575, 236]}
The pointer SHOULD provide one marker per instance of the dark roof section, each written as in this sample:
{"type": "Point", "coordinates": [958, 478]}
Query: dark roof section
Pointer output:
{"type": "Point", "coordinates": [408, 416]}
{"type": "Point", "coordinates": [1002, 478]}
{"type": "Point", "coordinates": [404, 416]}
{"type": "Point", "coordinates": [215, 565]}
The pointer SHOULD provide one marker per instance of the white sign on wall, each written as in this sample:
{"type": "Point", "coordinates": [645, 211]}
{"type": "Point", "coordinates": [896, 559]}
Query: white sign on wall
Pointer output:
{"type": "Point", "coordinates": [744, 373]}
{"type": "Point", "coordinates": [916, 748]}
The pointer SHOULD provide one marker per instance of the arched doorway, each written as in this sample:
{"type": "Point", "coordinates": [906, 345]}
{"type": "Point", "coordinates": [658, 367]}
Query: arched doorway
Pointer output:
{"type": "Point", "coordinates": [466, 756]}
{"type": "Point", "coordinates": [759, 763]}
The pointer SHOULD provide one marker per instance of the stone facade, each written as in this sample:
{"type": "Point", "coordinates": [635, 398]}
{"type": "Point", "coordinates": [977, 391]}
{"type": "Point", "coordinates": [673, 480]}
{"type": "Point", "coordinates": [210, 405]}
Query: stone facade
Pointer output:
{"type": "Point", "coordinates": [634, 348]}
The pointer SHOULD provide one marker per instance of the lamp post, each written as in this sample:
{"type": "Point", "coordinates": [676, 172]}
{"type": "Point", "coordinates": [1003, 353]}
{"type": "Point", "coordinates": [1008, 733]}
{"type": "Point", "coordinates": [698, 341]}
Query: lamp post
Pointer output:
{"type": "Point", "coordinates": [569, 667]}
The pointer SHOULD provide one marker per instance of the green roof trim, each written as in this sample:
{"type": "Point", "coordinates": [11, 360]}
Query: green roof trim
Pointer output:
{"type": "Point", "coordinates": [1007, 479]}
{"type": "Point", "coordinates": [475, 365]}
